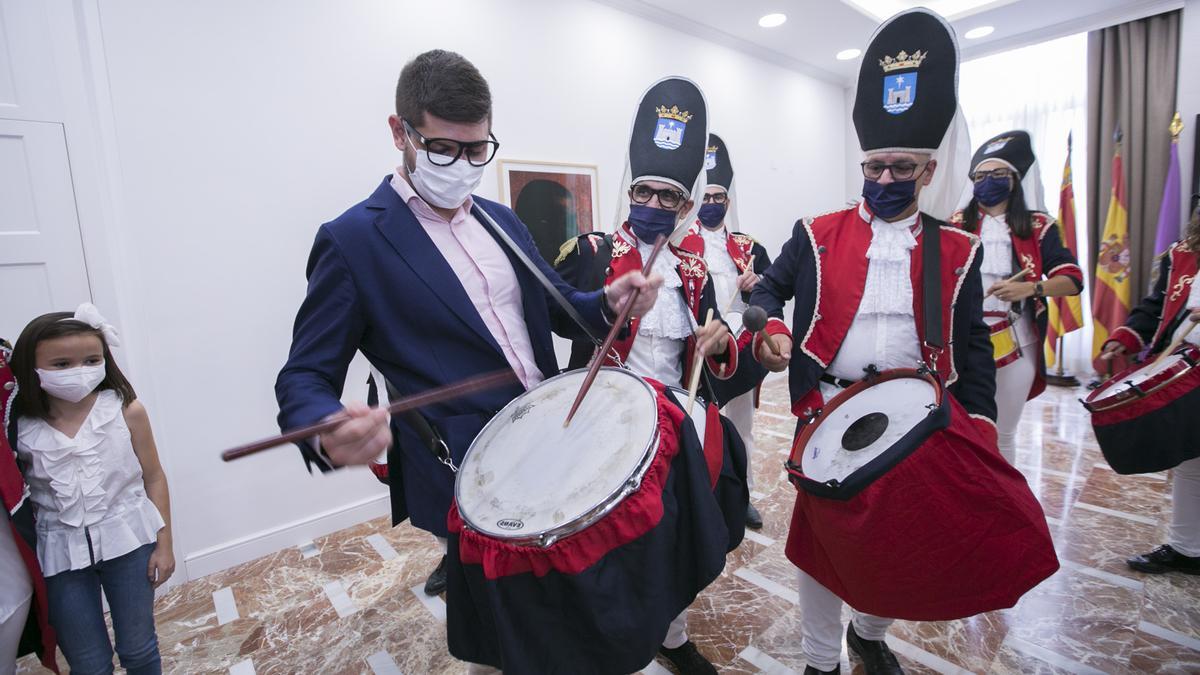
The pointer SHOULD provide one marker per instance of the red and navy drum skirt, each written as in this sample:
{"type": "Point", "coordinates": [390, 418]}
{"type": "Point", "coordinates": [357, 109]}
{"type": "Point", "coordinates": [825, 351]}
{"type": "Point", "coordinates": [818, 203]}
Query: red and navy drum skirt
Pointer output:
{"type": "Point", "coordinates": [601, 600]}
{"type": "Point", "coordinates": [940, 527]}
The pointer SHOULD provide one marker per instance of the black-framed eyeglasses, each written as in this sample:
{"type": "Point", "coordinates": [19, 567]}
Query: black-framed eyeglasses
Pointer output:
{"type": "Point", "coordinates": [873, 170]}
{"type": "Point", "coordinates": [446, 151]}
{"type": "Point", "coordinates": [716, 198]}
{"type": "Point", "coordinates": [668, 198]}
{"type": "Point", "coordinates": [998, 174]}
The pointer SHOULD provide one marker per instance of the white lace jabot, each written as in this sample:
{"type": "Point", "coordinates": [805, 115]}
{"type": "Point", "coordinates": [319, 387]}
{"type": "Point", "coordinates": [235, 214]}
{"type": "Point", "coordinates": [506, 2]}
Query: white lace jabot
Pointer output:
{"type": "Point", "coordinates": [888, 288]}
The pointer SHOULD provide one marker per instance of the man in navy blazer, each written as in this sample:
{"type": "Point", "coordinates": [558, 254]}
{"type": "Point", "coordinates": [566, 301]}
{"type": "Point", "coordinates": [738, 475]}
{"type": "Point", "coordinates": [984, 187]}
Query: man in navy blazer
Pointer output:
{"type": "Point", "coordinates": [414, 278]}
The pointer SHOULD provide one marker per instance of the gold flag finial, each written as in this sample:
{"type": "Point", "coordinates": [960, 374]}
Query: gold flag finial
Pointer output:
{"type": "Point", "coordinates": [1176, 127]}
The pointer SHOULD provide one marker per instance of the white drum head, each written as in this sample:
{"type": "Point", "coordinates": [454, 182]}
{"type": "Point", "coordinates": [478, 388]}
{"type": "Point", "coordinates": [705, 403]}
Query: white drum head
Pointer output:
{"type": "Point", "coordinates": [884, 412]}
{"type": "Point", "coordinates": [526, 475]}
{"type": "Point", "coordinates": [1150, 370]}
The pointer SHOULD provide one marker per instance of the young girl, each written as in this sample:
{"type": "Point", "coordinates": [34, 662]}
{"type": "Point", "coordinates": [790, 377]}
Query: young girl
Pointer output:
{"type": "Point", "coordinates": [85, 446]}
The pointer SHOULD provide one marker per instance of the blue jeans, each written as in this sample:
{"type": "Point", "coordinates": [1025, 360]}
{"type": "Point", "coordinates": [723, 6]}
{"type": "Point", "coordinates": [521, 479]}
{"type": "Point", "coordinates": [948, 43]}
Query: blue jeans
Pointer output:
{"type": "Point", "coordinates": [78, 616]}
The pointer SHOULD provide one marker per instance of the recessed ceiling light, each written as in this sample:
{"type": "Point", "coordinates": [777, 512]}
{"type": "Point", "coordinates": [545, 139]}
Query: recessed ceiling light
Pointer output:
{"type": "Point", "coordinates": [847, 54]}
{"type": "Point", "coordinates": [772, 20]}
{"type": "Point", "coordinates": [952, 10]}
{"type": "Point", "coordinates": [976, 33]}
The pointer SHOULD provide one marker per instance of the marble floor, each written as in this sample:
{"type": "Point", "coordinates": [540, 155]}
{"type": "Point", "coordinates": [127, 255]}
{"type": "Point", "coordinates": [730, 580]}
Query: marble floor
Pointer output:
{"type": "Point", "coordinates": [352, 602]}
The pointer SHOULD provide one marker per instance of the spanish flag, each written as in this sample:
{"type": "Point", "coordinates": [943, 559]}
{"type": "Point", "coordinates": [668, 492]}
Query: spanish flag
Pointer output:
{"type": "Point", "coordinates": [1065, 313]}
{"type": "Point", "coordinates": [1111, 298]}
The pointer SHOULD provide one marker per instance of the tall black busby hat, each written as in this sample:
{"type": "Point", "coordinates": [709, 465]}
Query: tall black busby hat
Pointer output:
{"type": "Point", "coordinates": [717, 163]}
{"type": "Point", "coordinates": [907, 84]}
{"type": "Point", "coordinates": [670, 134]}
{"type": "Point", "coordinates": [1014, 148]}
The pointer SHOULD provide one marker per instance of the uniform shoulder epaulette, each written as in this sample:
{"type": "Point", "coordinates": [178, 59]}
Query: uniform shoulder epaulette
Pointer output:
{"type": "Point", "coordinates": [743, 239]}
{"type": "Point", "coordinates": [973, 238]}
{"type": "Point", "coordinates": [1042, 222]}
{"type": "Point", "coordinates": [593, 239]}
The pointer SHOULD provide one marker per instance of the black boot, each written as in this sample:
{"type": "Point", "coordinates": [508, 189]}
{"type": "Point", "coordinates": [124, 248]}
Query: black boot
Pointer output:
{"type": "Point", "coordinates": [809, 670]}
{"type": "Point", "coordinates": [1165, 559]}
{"type": "Point", "coordinates": [876, 656]}
{"type": "Point", "coordinates": [436, 583]}
{"type": "Point", "coordinates": [753, 517]}
{"type": "Point", "coordinates": [688, 660]}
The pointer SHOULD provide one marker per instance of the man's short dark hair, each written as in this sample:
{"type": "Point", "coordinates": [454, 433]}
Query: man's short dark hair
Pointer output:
{"type": "Point", "coordinates": [444, 84]}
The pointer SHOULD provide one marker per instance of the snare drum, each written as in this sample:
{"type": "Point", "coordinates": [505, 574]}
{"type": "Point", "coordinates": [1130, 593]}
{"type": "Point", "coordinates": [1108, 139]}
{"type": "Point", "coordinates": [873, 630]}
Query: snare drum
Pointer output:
{"type": "Point", "coordinates": [572, 549]}
{"type": "Point", "coordinates": [905, 511]}
{"type": "Point", "coordinates": [1147, 418]}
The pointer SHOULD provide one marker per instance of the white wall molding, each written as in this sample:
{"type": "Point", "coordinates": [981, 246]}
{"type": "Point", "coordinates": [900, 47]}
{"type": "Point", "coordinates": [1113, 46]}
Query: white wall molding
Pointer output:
{"type": "Point", "coordinates": [235, 552]}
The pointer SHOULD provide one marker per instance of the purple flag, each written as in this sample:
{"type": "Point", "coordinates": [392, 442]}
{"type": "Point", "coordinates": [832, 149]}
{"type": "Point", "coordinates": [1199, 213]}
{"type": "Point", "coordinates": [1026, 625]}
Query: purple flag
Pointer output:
{"type": "Point", "coordinates": [1168, 213]}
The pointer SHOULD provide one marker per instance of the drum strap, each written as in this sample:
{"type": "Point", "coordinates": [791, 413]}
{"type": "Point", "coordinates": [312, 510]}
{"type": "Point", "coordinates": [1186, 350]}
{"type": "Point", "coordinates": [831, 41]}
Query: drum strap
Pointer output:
{"type": "Point", "coordinates": [536, 271]}
{"type": "Point", "coordinates": [424, 431]}
{"type": "Point", "coordinates": [931, 282]}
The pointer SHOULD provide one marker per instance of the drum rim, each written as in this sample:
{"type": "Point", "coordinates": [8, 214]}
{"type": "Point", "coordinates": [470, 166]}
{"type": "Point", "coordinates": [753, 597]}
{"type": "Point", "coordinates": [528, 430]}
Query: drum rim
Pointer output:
{"type": "Point", "coordinates": [1095, 403]}
{"type": "Point", "coordinates": [594, 513]}
{"type": "Point", "coordinates": [850, 392]}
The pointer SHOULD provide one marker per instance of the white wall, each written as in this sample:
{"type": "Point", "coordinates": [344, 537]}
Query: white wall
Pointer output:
{"type": "Point", "coordinates": [239, 127]}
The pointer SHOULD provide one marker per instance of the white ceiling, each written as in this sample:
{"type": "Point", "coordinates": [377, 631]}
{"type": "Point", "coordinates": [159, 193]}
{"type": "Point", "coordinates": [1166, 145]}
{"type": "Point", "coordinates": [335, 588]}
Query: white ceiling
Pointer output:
{"type": "Point", "coordinates": [817, 29]}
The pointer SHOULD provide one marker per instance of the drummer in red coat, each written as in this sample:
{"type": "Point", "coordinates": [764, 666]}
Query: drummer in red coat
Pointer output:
{"type": "Point", "coordinates": [856, 278]}
{"type": "Point", "coordinates": [1153, 324]}
{"type": "Point", "coordinates": [24, 615]}
{"type": "Point", "coordinates": [1016, 238]}
{"type": "Point", "coordinates": [735, 261]}
{"type": "Point", "coordinates": [665, 175]}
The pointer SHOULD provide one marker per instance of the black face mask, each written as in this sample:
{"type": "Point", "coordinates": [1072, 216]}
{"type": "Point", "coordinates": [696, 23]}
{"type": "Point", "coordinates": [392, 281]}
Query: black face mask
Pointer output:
{"type": "Point", "coordinates": [888, 200]}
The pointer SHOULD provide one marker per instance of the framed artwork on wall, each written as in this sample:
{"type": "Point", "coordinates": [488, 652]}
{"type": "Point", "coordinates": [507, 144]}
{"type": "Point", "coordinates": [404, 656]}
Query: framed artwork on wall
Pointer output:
{"type": "Point", "coordinates": [556, 201]}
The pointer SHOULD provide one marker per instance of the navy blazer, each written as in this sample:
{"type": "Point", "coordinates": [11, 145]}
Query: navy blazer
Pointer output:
{"type": "Point", "coordinates": [378, 284]}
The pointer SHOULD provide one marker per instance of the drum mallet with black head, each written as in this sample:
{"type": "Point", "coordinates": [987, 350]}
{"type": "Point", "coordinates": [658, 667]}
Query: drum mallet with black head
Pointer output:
{"type": "Point", "coordinates": [754, 319]}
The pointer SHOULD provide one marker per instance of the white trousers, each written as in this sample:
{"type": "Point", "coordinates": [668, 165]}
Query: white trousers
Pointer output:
{"type": "Point", "coordinates": [821, 624]}
{"type": "Point", "coordinates": [10, 634]}
{"type": "Point", "coordinates": [1184, 535]}
{"type": "Point", "coordinates": [740, 411]}
{"type": "Point", "coordinates": [1012, 389]}
{"type": "Point", "coordinates": [677, 633]}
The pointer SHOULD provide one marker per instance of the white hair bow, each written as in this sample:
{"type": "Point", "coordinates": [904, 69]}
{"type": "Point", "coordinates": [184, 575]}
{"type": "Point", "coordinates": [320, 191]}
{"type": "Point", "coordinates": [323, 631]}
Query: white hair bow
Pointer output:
{"type": "Point", "coordinates": [89, 314]}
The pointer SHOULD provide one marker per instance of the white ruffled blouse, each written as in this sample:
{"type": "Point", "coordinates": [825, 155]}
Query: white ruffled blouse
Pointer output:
{"type": "Point", "coordinates": [884, 330]}
{"type": "Point", "coordinates": [86, 486]}
{"type": "Point", "coordinates": [997, 258]}
{"type": "Point", "coordinates": [998, 266]}
{"type": "Point", "coordinates": [662, 332]}
{"type": "Point", "coordinates": [724, 273]}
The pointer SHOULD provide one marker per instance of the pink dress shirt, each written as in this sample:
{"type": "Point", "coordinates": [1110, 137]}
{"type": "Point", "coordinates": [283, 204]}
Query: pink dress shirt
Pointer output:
{"type": "Point", "coordinates": [486, 275]}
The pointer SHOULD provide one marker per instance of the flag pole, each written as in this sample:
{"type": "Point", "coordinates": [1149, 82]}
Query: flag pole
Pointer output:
{"type": "Point", "coordinates": [1061, 378]}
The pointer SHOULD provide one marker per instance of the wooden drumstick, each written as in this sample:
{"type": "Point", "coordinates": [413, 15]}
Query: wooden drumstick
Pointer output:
{"type": "Point", "coordinates": [737, 292]}
{"type": "Point", "coordinates": [438, 395]}
{"type": "Point", "coordinates": [1175, 343]}
{"type": "Point", "coordinates": [1009, 280]}
{"type": "Point", "coordinates": [622, 317]}
{"type": "Point", "coordinates": [697, 364]}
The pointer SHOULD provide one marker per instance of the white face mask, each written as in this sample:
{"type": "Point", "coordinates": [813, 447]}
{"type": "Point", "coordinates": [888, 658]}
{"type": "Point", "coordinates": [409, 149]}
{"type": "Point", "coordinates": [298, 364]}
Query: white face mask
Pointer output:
{"type": "Point", "coordinates": [72, 384]}
{"type": "Point", "coordinates": [445, 187]}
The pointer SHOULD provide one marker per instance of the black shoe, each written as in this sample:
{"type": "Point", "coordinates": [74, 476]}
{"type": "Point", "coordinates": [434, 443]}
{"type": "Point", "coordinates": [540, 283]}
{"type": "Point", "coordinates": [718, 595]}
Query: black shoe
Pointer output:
{"type": "Point", "coordinates": [876, 656]}
{"type": "Point", "coordinates": [688, 660]}
{"type": "Point", "coordinates": [436, 583]}
{"type": "Point", "coordinates": [1165, 559]}
{"type": "Point", "coordinates": [753, 517]}
{"type": "Point", "coordinates": [809, 670]}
